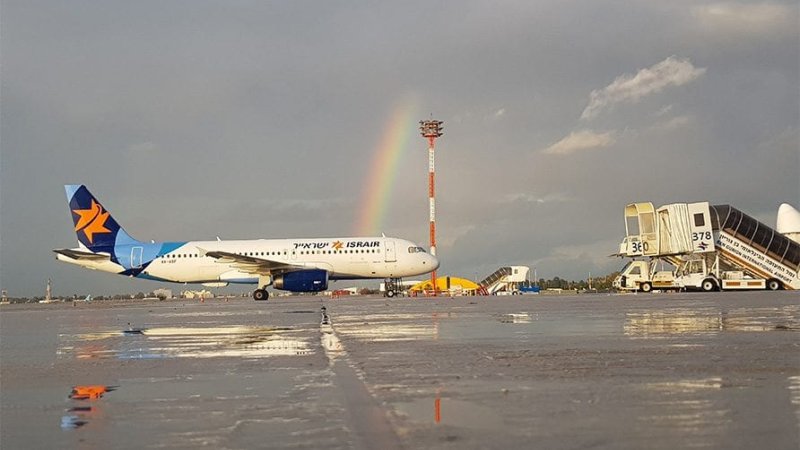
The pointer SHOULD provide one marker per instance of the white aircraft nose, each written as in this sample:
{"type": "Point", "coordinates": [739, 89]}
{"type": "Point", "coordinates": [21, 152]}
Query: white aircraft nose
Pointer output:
{"type": "Point", "coordinates": [434, 262]}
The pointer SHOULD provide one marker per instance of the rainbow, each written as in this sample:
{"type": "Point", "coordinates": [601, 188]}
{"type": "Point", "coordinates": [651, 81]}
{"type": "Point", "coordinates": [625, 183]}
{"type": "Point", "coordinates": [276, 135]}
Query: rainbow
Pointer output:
{"type": "Point", "coordinates": [383, 170]}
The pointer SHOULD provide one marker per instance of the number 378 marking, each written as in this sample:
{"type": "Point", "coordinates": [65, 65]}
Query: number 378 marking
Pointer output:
{"type": "Point", "coordinates": [704, 235]}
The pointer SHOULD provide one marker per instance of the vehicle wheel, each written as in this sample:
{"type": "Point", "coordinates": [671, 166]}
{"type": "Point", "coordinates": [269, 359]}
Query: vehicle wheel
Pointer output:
{"type": "Point", "coordinates": [773, 285]}
{"type": "Point", "coordinates": [260, 295]}
{"type": "Point", "coordinates": [708, 285]}
{"type": "Point", "coordinates": [646, 287]}
{"type": "Point", "coordinates": [390, 294]}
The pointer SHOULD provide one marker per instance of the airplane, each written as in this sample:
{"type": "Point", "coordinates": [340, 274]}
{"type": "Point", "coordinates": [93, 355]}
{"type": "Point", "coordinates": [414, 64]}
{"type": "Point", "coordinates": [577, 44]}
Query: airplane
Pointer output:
{"type": "Point", "coordinates": [295, 265]}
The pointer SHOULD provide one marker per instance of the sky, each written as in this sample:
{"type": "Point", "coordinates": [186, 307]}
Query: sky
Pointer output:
{"type": "Point", "coordinates": [275, 119]}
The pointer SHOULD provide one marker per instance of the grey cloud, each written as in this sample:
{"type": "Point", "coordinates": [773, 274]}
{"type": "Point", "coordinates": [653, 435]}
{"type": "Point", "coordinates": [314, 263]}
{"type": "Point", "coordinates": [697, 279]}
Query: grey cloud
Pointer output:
{"type": "Point", "coordinates": [651, 80]}
{"type": "Point", "coordinates": [767, 19]}
{"type": "Point", "coordinates": [580, 141]}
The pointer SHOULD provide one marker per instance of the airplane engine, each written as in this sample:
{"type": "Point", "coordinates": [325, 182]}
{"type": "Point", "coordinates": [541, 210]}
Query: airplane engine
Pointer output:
{"type": "Point", "coordinates": [314, 280]}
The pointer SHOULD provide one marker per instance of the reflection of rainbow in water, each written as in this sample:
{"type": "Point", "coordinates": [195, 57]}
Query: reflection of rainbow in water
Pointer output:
{"type": "Point", "coordinates": [188, 342]}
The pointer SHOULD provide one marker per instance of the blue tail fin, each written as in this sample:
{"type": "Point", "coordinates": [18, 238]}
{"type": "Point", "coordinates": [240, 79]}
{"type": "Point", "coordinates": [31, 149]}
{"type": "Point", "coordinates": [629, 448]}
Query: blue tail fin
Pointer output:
{"type": "Point", "coordinates": [95, 227]}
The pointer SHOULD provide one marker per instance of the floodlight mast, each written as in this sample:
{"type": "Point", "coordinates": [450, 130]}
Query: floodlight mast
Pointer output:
{"type": "Point", "coordinates": [432, 129]}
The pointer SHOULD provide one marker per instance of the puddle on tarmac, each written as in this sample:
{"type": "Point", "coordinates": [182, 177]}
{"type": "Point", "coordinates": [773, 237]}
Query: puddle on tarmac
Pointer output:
{"type": "Point", "coordinates": [794, 396]}
{"type": "Point", "coordinates": [465, 326]}
{"type": "Point", "coordinates": [81, 414]}
{"type": "Point", "coordinates": [185, 342]}
{"type": "Point", "coordinates": [711, 320]}
{"type": "Point", "coordinates": [690, 407]}
{"type": "Point", "coordinates": [387, 328]}
{"type": "Point", "coordinates": [447, 411]}
{"type": "Point", "coordinates": [522, 317]}
{"type": "Point", "coordinates": [71, 422]}
{"type": "Point", "coordinates": [246, 313]}
{"type": "Point", "coordinates": [331, 343]}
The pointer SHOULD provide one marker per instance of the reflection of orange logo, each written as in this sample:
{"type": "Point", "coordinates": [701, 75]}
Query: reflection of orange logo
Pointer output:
{"type": "Point", "coordinates": [337, 245]}
{"type": "Point", "coordinates": [91, 220]}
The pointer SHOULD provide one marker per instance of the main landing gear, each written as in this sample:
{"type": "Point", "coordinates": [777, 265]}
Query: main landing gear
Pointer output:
{"type": "Point", "coordinates": [393, 287]}
{"type": "Point", "coordinates": [260, 295]}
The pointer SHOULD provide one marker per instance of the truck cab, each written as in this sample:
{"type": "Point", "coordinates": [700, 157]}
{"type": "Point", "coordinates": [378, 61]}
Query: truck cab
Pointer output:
{"type": "Point", "coordinates": [643, 276]}
{"type": "Point", "coordinates": [697, 274]}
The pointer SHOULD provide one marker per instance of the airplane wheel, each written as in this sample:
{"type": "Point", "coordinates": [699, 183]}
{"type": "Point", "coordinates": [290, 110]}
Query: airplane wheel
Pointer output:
{"type": "Point", "coordinates": [773, 285]}
{"type": "Point", "coordinates": [708, 285]}
{"type": "Point", "coordinates": [260, 295]}
{"type": "Point", "coordinates": [390, 294]}
{"type": "Point", "coordinates": [646, 287]}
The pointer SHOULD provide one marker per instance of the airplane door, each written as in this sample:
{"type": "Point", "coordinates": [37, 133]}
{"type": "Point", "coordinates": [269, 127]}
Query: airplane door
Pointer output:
{"type": "Point", "coordinates": [136, 257]}
{"type": "Point", "coordinates": [391, 254]}
{"type": "Point", "coordinates": [700, 226]}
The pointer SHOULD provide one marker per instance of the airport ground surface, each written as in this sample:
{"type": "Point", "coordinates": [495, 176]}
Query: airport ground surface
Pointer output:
{"type": "Point", "coordinates": [667, 371]}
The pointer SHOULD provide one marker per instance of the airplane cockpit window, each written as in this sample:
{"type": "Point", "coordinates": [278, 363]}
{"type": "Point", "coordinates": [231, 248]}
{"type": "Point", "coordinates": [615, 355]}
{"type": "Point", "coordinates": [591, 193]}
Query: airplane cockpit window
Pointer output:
{"type": "Point", "coordinates": [416, 250]}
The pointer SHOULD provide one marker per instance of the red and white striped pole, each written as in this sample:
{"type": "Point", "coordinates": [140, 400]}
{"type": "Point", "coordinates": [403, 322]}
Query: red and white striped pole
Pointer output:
{"type": "Point", "coordinates": [432, 129]}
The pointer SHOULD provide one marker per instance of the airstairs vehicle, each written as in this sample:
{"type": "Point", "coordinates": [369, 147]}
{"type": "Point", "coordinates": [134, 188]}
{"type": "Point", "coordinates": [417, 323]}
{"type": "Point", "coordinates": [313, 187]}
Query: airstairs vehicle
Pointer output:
{"type": "Point", "coordinates": [508, 280]}
{"type": "Point", "coordinates": [714, 247]}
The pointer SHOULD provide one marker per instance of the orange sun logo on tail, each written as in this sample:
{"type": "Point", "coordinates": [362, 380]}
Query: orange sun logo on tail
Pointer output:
{"type": "Point", "coordinates": [91, 221]}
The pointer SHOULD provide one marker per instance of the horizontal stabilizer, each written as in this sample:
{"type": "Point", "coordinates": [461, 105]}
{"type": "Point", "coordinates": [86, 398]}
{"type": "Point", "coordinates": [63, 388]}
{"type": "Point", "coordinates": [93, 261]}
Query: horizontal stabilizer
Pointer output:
{"type": "Point", "coordinates": [84, 255]}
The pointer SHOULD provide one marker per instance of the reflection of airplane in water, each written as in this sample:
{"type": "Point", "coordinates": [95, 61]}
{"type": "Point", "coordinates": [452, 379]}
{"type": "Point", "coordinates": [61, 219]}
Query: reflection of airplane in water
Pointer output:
{"type": "Point", "coordinates": [297, 265]}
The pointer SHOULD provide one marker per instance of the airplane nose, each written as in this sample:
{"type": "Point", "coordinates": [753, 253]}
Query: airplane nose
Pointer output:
{"type": "Point", "coordinates": [434, 262]}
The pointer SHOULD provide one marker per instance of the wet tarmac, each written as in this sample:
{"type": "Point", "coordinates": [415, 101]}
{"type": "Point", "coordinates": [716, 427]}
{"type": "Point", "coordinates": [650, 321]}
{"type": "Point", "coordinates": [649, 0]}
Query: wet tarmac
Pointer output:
{"type": "Point", "coordinates": [719, 370]}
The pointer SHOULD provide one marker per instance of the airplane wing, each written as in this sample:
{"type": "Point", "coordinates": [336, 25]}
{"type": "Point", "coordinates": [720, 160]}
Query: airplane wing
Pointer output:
{"type": "Point", "coordinates": [252, 264]}
{"type": "Point", "coordinates": [78, 254]}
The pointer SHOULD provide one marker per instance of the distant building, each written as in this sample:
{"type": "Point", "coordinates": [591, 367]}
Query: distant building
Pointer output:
{"type": "Point", "coordinates": [163, 293]}
{"type": "Point", "coordinates": [197, 294]}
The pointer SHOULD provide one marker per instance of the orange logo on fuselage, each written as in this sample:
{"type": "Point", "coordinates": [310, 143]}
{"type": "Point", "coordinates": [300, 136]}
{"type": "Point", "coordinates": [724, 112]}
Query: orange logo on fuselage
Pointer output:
{"type": "Point", "coordinates": [91, 221]}
{"type": "Point", "coordinates": [337, 245]}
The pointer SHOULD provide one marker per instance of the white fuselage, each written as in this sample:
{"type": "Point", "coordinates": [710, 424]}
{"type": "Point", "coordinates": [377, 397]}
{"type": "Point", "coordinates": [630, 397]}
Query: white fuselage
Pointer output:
{"type": "Point", "coordinates": [342, 258]}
